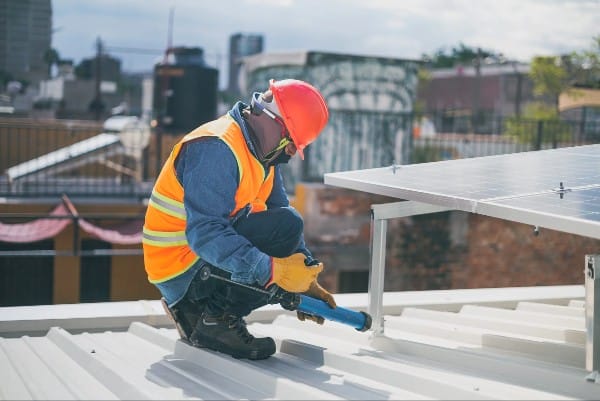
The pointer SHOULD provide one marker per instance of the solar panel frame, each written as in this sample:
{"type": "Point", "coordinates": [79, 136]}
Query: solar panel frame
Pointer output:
{"type": "Point", "coordinates": [557, 188]}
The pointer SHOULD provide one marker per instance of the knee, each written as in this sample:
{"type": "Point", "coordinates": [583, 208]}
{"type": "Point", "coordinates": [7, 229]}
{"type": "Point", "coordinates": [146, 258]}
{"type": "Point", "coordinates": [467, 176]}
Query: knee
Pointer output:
{"type": "Point", "coordinates": [294, 221]}
{"type": "Point", "coordinates": [288, 235]}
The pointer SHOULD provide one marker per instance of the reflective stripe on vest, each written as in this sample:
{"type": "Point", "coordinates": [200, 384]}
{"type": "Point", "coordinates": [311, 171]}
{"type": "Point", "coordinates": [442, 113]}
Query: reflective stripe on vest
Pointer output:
{"type": "Point", "coordinates": [167, 205]}
{"type": "Point", "coordinates": [164, 238]}
{"type": "Point", "coordinates": [167, 253]}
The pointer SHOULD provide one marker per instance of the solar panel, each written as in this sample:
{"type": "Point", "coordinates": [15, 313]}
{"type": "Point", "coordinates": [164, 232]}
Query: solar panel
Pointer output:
{"type": "Point", "coordinates": [100, 142]}
{"type": "Point", "coordinates": [557, 188]}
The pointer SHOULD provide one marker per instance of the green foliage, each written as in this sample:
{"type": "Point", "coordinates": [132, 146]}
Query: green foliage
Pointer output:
{"type": "Point", "coordinates": [540, 111]}
{"type": "Point", "coordinates": [462, 54]}
{"type": "Point", "coordinates": [539, 124]}
{"type": "Point", "coordinates": [548, 76]}
{"type": "Point", "coordinates": [424, 78]}
{"type": "Point", "coordinates": [553, 75]}
{"type": "Point", "coordinates": [584, 67]}
{"type": "Point", "coordinates": [51, 57]}
{"type": "Point", "coordinates": [431, 153]}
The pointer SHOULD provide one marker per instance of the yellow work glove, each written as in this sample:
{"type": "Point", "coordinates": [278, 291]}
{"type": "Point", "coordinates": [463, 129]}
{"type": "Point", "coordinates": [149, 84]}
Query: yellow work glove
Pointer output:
{"type": "Point", "coordinates": [292, 274]}
{"type": "Point", "coordinates": [317, 292]}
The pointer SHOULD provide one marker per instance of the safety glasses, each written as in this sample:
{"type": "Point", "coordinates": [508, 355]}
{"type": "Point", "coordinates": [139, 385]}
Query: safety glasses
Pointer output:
{"type": "Point", "coordinates": [257, 108]}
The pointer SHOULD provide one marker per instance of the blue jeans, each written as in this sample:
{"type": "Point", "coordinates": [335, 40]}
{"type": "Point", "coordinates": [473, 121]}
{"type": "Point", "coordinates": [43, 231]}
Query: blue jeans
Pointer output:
{"type": "Point", "coordinates": [276, 232]}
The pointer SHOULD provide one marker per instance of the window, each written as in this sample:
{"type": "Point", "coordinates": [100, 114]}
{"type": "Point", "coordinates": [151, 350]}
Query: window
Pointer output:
{"type": "Point", "coordinates": [26, 280]}
{"type": "Point", "coordinates": [95, 272]}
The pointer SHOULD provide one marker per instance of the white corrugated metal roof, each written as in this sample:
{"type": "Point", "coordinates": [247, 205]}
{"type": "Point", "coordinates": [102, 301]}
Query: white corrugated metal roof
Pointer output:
{"type": "Point", "coordinates": [501, 343]}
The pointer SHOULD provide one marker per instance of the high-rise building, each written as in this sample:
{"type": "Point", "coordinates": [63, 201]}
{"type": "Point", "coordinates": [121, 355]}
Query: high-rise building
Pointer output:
{"type": "Point", "coordinates": [25, 37]}
{"type": "Point", "coordinates": [185, 91]}
{"type": "Point", "coordinates": [241, 45]}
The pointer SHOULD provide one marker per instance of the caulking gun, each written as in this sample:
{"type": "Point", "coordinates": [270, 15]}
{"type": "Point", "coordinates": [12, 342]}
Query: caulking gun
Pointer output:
{"type": "Point", "coordinates": [361, 321]}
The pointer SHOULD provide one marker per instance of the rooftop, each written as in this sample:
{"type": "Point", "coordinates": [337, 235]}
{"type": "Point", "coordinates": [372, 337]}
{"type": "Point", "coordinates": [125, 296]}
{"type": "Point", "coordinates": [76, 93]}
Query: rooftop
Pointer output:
{"type": "Point", "coordinates": [495, 343]}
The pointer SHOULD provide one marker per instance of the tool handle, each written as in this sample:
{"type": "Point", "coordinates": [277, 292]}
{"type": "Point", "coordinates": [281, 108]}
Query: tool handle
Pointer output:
{"type": "Point", "coordinates": [361, 321]}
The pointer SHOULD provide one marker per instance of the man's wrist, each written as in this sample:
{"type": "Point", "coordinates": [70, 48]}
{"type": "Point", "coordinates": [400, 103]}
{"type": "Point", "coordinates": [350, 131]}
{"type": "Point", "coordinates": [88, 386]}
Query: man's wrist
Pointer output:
{"type": "Point", "coordinates": [264, 270]}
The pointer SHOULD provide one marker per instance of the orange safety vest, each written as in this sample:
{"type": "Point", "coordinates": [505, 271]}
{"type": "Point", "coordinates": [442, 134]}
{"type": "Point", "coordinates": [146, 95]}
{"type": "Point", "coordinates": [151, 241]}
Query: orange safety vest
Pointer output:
{"type": "Point", "coordinates": [166, 250]}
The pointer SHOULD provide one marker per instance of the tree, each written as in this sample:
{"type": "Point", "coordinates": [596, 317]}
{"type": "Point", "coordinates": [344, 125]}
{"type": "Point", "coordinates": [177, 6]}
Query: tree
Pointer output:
{"type": "Point", "coordinates": [51, 57]}
{"type": "Point", "coordinates": [584, 66]}
{"type": "Point", "coordinates": [462, 54]}
{"type": "Point", "coordinates": [549, 77]}
{"type": "Point", "coordinates": [424, 78]}
{"type": "Point", "coordinates": [553, 75]}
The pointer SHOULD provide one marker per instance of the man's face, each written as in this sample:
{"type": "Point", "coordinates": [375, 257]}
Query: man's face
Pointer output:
{"type": "Point", "coordinates": [283, 144]}
{"type": "Point", "coordinates": [290, 148]}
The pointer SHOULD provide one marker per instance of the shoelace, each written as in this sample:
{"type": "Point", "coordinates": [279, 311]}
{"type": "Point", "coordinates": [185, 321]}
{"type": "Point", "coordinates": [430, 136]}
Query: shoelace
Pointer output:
{"type": "Point", "coordinates": [239, 324]}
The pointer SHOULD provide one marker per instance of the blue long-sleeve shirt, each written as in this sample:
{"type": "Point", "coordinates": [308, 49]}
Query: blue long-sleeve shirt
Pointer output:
{"type": "Point", "coordinates": [208, 172]}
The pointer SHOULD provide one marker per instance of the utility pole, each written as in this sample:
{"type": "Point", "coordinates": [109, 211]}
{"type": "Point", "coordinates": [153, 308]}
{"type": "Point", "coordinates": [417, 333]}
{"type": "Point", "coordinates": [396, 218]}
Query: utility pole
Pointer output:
{"type": "Point", "coordinates": [517, 90]}
{"type": "Point", "coordinates": [476, 107]}
{"type": "Point", "coordinates": [163, 100]}
{"type": "Point", "coordinates": [97, 106]}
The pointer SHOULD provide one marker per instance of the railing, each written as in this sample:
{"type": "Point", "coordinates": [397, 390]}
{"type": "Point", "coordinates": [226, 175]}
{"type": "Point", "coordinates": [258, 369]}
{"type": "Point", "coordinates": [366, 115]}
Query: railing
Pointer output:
{"type": "Point", "coordinates": [120, 221]}
{"type": "Point", "coordinates": [498, 136]}
{"type": "Point", "coordinates": [51, 158]}
{"type": "Point", "coordinates": [77, 158]}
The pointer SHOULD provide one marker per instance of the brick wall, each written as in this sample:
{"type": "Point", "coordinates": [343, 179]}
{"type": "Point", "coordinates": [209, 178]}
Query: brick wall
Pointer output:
{"type": "Point", "coordinates": [437, 251]}
{"type": "Point", "coordinates": [502, 253]}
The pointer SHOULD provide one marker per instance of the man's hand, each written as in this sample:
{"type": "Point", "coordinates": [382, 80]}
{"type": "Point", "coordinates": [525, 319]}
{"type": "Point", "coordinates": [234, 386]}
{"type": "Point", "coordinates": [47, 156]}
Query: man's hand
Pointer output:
{"type": "Point", "coordinates": [317, 292]}
{"type": "Point", "coordinates": [292, 274]}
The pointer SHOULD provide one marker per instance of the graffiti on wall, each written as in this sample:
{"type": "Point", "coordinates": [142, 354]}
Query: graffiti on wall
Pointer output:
{"type": "Point", "coordinates": [370, 100]}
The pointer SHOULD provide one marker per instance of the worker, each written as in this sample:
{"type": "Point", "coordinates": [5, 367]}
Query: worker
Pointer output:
{"type": "Point", "coordinates": [219, 201]}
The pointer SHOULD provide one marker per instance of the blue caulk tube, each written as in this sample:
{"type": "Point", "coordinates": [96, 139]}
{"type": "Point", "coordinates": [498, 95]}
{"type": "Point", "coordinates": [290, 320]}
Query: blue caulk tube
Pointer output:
{"type": "Point", "coordinates": [361, 321]}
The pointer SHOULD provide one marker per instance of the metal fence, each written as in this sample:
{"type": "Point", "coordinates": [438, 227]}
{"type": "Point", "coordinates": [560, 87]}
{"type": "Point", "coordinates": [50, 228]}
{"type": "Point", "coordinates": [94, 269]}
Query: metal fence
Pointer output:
{"type": "Point", "coordinates": [79, 159]}
{"type": "Point", "coordinates": [359, 140]}
{"type": "Point", "coordinates": [436, 138]}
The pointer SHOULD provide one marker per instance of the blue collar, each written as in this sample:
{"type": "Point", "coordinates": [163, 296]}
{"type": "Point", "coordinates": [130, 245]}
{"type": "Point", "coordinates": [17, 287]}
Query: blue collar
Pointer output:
{"type": "Point", "coordinates": [236, 114]}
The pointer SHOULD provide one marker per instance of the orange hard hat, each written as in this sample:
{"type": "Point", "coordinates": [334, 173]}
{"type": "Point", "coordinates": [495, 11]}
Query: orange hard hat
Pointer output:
{"type": "Point", "coordinates": [302, 109]}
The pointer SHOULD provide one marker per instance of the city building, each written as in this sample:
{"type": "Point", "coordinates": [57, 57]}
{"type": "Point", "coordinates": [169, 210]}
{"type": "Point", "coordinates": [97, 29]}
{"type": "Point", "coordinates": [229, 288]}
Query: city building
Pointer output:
{"type": "Point", "coordinates": [185, 91]}
{"type": "Point", "coordinates": [454, 95]}
{"type": "Point", "coordinates": [369, 98]}
{"type": "Point", "coordinates": [241, 45]}
{"type": "Point", "coordinates": [25, 39]}
{"type": "Point", "coordinates": [71, 93]}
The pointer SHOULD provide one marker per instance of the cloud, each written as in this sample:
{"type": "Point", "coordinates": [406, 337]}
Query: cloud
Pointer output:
{"type": "Point", "coordinates": [403, 29]}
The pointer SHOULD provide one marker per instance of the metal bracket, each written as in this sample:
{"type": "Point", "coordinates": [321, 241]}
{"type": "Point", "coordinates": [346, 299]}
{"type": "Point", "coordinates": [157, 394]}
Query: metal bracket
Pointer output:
{"type": "Point", "coordinates": [592, 320]}
{"type": "Point", "coordinates": [561, 190]}
{"type": "Point", "coordinates": [380, 214]}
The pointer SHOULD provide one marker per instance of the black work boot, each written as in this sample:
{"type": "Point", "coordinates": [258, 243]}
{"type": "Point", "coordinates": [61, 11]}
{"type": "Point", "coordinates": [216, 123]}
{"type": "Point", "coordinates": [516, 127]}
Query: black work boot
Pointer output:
{"type": "Point", "coordinates": [184, 315]}
{"type": "Point", "coordinates": [228, 334]}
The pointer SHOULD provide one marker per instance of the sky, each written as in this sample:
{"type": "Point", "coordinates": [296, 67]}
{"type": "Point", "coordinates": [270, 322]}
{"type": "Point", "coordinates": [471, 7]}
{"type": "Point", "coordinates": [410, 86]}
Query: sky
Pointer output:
{"type": "Point", "coordinates": [404, 29]}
